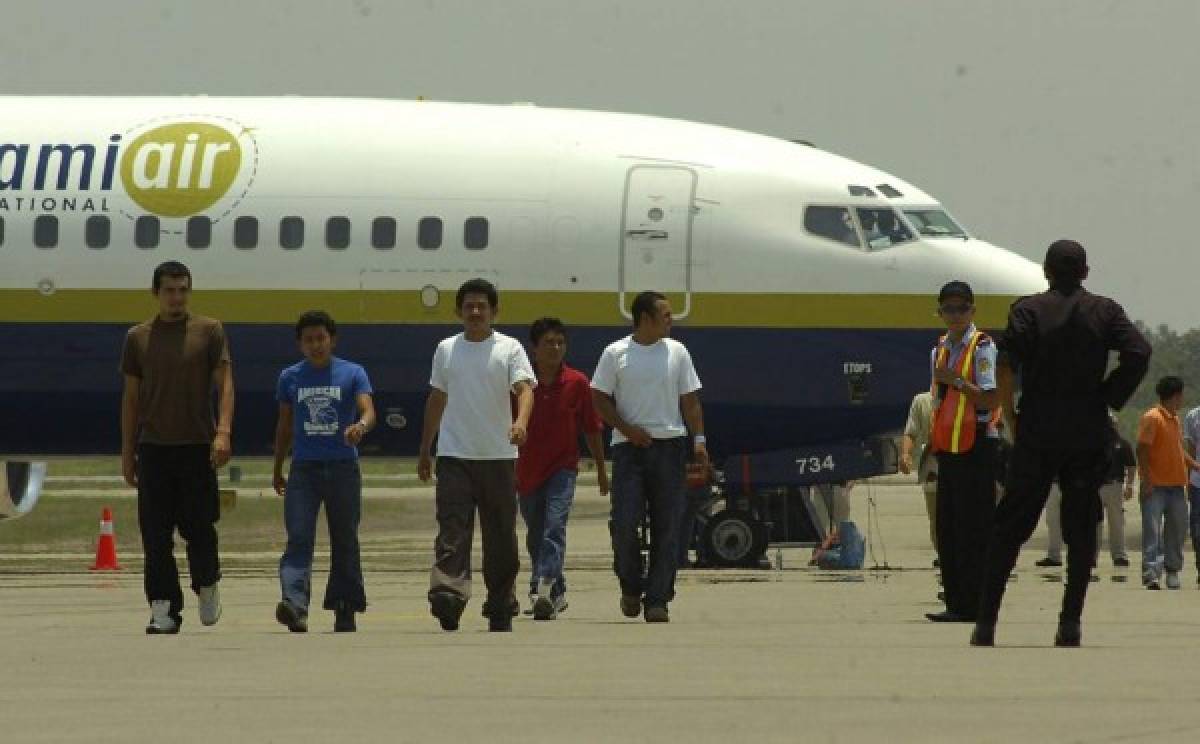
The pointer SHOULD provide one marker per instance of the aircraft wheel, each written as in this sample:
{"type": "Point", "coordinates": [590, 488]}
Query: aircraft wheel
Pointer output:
{"type": "Point", "coordinates": [734, 538]}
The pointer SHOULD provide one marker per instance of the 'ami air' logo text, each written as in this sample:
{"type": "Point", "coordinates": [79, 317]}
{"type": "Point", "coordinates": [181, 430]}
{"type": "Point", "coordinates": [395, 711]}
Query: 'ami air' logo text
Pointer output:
{"type": "Point", "coordinates": [172, 169]}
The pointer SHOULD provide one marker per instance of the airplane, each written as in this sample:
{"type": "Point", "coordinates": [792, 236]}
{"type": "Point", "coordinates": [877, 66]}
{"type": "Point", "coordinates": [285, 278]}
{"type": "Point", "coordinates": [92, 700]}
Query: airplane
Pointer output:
{"type": "Point", "coordinates": [803, 282]}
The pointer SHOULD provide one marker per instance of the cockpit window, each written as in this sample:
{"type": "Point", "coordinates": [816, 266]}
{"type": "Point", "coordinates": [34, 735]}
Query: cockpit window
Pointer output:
{"type": "Point", "coordinates": [934, 223]}
{"type": "Point", "coordinates": [832, 223]}
{"type": "Point", "coordinates": [882, 228]}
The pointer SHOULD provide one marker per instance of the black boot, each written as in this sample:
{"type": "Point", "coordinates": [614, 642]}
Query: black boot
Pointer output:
{"type": "Point", "coordinates": [984, 634]}
{"type": "Point", "coordinates": [1069, 634]}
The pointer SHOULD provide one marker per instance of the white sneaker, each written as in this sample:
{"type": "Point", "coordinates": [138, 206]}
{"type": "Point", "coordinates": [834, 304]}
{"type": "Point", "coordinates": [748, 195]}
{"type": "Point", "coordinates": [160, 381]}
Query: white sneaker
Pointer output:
{"type": "Point", "coordinates": [161, 621]}
{"type": "Point", "coordinates": [1173, 580]}
{"type": "Point", "coordinates": [210, 604]}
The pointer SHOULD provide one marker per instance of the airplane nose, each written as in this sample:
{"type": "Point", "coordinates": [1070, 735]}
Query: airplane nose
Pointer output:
{"type": "Point", "coordinates": [999, 271]}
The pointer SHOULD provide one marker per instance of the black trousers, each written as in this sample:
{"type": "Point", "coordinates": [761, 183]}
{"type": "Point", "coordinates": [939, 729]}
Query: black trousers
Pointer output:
{"type": "Point", "coordinates": [177, 489]}
{"type": "Point", "coordinates": [966, 504]}
{"type": "Point", "coordinates": [1031, 471]}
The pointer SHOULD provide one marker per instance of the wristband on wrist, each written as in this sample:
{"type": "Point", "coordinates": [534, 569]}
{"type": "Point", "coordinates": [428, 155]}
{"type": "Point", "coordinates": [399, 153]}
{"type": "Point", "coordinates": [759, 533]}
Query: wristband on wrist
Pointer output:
{"type": "Point", "coordinates": [699, 439]}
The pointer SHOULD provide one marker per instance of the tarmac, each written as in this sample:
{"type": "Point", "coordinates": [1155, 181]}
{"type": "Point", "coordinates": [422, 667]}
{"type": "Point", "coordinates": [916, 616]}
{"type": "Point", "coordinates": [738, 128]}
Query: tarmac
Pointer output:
{"type": "Point", "coordinates": [786, 654]}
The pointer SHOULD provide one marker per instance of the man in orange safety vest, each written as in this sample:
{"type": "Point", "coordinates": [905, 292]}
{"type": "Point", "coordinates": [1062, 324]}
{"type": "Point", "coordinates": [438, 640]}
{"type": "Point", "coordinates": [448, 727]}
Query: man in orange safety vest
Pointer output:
{"type": "Point", "coordinates": [964, 440]}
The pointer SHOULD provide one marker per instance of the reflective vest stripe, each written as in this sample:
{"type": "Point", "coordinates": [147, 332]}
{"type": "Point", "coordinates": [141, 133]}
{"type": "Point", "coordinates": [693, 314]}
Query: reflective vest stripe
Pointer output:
{"type": "Point", "coordinates": [961, 411]}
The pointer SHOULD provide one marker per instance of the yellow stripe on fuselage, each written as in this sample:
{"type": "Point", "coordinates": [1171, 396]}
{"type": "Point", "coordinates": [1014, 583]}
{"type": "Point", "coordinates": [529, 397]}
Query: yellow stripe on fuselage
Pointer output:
{"type": "Point", "coordinates": [871, 311]}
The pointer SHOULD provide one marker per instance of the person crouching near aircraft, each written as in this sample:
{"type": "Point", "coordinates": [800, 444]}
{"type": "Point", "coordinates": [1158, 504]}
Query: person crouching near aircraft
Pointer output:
{"type": "Point", "coordinates": [964, 440]}
{"type": "Point", "coordinates": [548, 463]}
{"type": "Point", "coordinates": [469, 409]}
{"type": "Point", "coordinates": [171, 446]}
{"type": "Point", "coordinates": [642, 384]}
{"type": "Point", "coordinates": [325, 409]}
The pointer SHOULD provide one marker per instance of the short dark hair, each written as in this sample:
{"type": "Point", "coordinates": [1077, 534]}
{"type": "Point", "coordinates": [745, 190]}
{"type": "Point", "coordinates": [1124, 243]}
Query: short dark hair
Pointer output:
{"type": "Point", "coordinates": [542, 326]}
{"type": "Point", "coordinates": [957, 288]}
{"type": "Point", "coordinates": [173, 269]}
{"type": "Point", "coordinates": [644, 304]}
{"type": "Point", "coordinates": [1066, 261]}
{"type": "Point", "coordinates": [315, 319]}
{"type": "Point", "coordinates": [1168, 387]}
{"type": "Point", "coordinates": [477, 286]}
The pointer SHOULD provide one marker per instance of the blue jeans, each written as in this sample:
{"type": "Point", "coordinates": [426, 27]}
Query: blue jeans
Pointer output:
{"type": "Point", "coordinates": [337, 484]}
{"type": "Point", "coordinates": [545, 512]}
{"type": "Point", "coordinates": [1194, 501]}
{"type": "Point", "coordinates": [648, 479]}
{"type": "Point", "coordinates": [1164, 528]}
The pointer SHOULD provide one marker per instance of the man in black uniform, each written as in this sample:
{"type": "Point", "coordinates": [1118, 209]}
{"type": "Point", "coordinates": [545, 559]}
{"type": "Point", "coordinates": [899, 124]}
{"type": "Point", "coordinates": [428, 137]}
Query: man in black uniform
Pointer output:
{"type": "Point", "coordinates": [1057, 344]}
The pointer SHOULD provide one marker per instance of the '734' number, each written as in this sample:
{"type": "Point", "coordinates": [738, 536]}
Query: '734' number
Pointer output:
{"type": "Point", "coordinates": [815, 464]}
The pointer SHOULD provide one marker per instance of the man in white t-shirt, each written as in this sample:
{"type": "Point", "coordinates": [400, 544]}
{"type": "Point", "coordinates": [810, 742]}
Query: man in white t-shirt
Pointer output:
{"type": "Point", "coordinates": [470, 411]}
{"type": "Point", "coordinates": [644, 388]}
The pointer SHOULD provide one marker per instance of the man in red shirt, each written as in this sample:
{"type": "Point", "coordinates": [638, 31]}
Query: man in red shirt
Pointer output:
{"type": "Point", "coordinates": [548, 463]}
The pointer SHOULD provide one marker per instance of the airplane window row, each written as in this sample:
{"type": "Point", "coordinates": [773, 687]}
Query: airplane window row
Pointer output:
{"type": "Point", "coordinates": [198, 232]}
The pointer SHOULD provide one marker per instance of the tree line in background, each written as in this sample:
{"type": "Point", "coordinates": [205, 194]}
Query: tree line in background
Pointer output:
{"type": "Point", "coordinates": [1174, 354]}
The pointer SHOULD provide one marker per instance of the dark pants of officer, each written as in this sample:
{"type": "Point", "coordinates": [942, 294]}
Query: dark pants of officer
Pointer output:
{"type": "Point", "coordinates": [1031, 471]}
{"type": "Point", "coordinates": [966, 504]}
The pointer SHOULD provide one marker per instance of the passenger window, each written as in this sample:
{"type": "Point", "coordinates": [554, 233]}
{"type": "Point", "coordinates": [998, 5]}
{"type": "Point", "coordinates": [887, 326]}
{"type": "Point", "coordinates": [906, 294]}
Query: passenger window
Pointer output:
{"type": "Point", "coordinates": [291, 233]}
{"type": "Point", "coordinates": [45, 231]}
{"type": "Point", "coordinates": [96, 232]}
{"type": "Point", "coordinates": [475, 233]}
{"type": "Point", "coordinates": [383, 233]}
{"type": "Point", "coordinates": [429, 233]}
{"type": "Point", "coordinates": [832, 223]}
{"type": "Point", "coordinates": [146, 232]}
{"type": "Point", "coordinates": [882, 228]}
{"type": "Point", "coordinates": [337, 233]}
{"type": "Point", "coordinates": [245, 233]}
{"type": "Point", "coordinates": [199, 232]}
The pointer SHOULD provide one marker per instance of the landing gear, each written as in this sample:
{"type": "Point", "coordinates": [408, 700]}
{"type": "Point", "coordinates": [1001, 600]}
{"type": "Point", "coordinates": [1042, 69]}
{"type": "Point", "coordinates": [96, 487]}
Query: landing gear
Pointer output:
{"type": "Point", "coordinates": [733, 538]}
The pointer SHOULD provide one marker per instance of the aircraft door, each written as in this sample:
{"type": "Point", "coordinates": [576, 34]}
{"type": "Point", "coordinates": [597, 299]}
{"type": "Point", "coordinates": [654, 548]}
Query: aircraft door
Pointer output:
{"type": "Point", "coordinates": [656, 235]}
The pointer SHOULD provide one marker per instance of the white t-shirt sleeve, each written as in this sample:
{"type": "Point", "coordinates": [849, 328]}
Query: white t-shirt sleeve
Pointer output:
{"type": "Point", "coordinates": [519, 368]}
{"type": "Point", "coordinates": [604, 378]}
{"type": "Point", "coordinates": [437, 377]}
{"type": "Point", "coordinates": [688, 381]}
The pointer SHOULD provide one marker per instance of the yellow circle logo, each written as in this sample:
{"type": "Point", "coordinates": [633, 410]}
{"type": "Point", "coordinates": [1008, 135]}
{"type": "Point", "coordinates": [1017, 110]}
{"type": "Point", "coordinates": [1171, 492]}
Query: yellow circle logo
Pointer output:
{"type": "Point", "coordinates": [181, 169]}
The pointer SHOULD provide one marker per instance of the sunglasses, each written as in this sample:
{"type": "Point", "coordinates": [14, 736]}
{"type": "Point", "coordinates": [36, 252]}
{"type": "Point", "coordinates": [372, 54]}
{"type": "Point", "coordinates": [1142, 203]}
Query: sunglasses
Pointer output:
{"type": "Point", "coordinates": [955, 309]}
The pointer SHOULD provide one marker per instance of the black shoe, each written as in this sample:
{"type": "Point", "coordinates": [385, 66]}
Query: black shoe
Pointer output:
{"type": "Point", "coordinates": [291, 616]}
{"type": "Point", "coordinates": [343, 621]}
{"type": "Point", "coordinates": [983, 635]}
{"type": "Point", "coordinates": [1049, 562]}
{"type": "Point", "coordinates": [500, 622]}
{"type": "Point", "coordinates": [513, 606]}
{"type": "Point", "coordinates": [1121, 562]}
{"type": "Point", "coordinates": [1069, 635]}
{"type": "Point", "coordinates": [447, 608]}
{"type": "Point", "coordinates": [947, 617]}
{"type": "Point", "coordinates": [937, 563]}
{"type": "Point", "coordinates": [631, 605]}
{"type": "Point", "coordinates": [657, 614]}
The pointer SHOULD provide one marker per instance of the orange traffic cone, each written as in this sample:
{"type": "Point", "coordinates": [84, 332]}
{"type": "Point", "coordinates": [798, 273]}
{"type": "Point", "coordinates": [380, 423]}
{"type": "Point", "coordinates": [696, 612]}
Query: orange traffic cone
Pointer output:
{"type": "Point", "coordinates": [106, 547]}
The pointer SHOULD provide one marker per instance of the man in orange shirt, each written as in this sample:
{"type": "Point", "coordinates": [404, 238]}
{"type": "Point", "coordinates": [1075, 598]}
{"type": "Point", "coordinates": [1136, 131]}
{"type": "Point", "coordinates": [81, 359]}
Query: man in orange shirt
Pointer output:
{"type": "Point", "coordinates": [1163, 466]}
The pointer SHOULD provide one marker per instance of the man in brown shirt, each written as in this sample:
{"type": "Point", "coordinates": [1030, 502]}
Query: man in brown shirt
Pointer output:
{"type": "Point", "coordinates": [171, 445]}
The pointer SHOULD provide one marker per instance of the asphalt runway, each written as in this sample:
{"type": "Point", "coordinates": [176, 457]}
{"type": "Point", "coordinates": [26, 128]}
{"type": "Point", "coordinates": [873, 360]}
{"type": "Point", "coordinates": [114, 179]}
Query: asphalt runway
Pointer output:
{"type": "Point", "coordinates": [787, 654]}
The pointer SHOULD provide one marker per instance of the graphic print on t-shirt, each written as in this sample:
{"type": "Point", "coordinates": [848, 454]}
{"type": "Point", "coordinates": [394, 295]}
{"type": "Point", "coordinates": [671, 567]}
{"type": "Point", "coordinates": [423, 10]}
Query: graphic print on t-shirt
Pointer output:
{"type": "Point", "coordinates": [321, 404]}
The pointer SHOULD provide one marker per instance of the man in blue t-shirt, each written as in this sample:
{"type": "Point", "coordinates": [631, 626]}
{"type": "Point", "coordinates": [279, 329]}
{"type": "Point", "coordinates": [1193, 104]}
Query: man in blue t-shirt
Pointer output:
{"type": "Point", "coordinates": [325, 409]}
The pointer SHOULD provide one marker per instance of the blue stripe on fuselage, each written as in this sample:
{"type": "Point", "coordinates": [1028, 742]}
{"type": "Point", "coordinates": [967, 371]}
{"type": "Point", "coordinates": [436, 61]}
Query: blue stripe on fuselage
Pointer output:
{"type": "Point", "coordinates": [764, 389]}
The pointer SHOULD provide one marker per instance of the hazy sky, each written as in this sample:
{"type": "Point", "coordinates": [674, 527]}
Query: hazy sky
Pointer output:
{"type": "Point", "coordinates": [1030, 119]}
